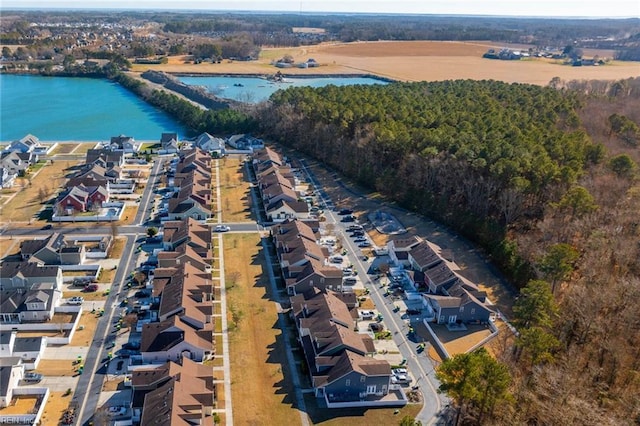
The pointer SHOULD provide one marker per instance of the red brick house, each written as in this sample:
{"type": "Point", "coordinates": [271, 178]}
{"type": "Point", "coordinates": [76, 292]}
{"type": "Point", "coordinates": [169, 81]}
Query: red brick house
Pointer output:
{"type": "Point", "coordinates": [81, 199]}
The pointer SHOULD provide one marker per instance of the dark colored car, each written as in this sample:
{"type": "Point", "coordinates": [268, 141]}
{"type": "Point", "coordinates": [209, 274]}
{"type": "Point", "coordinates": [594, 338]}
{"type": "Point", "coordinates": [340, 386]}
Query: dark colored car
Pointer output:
{"type": "Point", "coordinates": [142, 294]}
{"type": "Point", "coordinates": [413, 311]}
{"type": "Point", "coordinates": [46, 227]}
{"type": "Point", "coordinates": [348, 218]}
{"type": "Point", "coordinates": [90, 288]}
{"type": "Point", "coordinates": [345, 212]}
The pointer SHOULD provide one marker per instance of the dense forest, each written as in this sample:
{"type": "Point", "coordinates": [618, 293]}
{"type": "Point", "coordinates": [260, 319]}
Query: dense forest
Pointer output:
{"type": "Point", "coordinates": [546, 180]}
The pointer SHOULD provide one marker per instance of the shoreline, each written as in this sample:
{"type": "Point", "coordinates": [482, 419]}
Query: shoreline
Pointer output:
{"type": "Point", "coordinates": [284, 75]}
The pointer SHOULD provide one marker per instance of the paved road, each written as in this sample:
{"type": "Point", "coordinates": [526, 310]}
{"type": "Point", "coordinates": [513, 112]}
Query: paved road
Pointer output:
{"type": "Point", "coordinates": [419, 364]}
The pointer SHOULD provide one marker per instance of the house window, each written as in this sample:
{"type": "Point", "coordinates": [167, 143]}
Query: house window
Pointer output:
{"type": "Point", "coordinates": [473, 311]}
{"type": "Point", "coordinates": [363, 379]}
{"type": "Point", "coordinates": [461, 308]}
{"type": "Point", "coordinates": [371, 389]}
{"type": "Point", "coordinates": [347, 382]}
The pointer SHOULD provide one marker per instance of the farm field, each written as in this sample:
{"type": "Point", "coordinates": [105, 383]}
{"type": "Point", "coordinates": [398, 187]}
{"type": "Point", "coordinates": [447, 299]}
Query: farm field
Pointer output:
{"type": "Point", "coordinates": [411, 61]}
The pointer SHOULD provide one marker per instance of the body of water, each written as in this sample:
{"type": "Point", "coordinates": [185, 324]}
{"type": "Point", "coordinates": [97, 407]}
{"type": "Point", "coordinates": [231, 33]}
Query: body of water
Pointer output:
{"type": "Point", "coordinates": [87, 109]}
{"type": "Point", "coordinates": [76, 109]}
{"type": "Point", "coordinates": [255, 89]}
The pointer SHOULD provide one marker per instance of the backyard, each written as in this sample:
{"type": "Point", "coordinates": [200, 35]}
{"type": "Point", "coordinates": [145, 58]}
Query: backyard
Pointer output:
{"type": "Point", "coordinates": [29, 195]}
{"type": "Point", "coordinates": [261, 393]}
{"type": "Point", "coordinates": [234, 191]}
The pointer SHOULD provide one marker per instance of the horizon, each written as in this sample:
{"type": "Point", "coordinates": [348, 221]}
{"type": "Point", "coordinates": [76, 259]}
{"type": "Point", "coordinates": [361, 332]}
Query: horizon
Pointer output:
{"type": "Point", "coordinates": [567, 9]}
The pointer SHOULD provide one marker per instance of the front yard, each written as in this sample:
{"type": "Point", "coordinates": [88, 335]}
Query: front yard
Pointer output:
{"type": "Point", "coordinates": [261, 394]}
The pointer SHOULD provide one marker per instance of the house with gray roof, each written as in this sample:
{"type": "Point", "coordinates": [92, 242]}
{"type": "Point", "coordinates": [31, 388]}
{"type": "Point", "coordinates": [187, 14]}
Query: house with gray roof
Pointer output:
{"type": "Point", "coordinates": [11, 372]}
{"type": "Point", "coordinates": [29, 275]}
{"type": "Point", "coordinates": [28, 349]}
{"type": "Point", "coordinates": [17, 306]}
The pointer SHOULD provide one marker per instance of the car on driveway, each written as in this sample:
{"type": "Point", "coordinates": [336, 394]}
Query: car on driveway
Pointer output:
{"type": "Point", "coordinates": [364, 244]}
{"type": "Point", "coordinates": [413, 311]}
{"type": "Point", "coordinates": [75, 300]}
{"type": "Point", "coordinates": [117, 411]}
{"type": "Point", "coordinates": [32, 377]}
{"type": "Point", "coordinates": [359, 239]}
{"type": "Point", "coordinates": [348, 218]}
{"type": "Point", "coordinates": [90, 288]}
{"type": "Point", "coordinates": [221, 228]}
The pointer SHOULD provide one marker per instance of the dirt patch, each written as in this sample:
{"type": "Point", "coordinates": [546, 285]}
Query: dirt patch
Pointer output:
{"type": "Point", "coordinates": [9, 247]}
{"type": "Point", "coordinates": [64, 148]}
{"type": "Point", "coordinates": [234, 191]}
{"type": "Point", "coordinates": [260, 390]}
{"type": "Point", "coordinates": [129, 215]}
{"type": "Point", "coordinates": [115, 252]}
{"type": "Point", "coordinates": [456, 342]}
{"type": "Point", "coordinates": [57, 367]}
{"type": "Point", "coordinates": [88, 322]}
{"type": "Point", "coordinates": [20, 404]}
{"type": "Point", "coordinates": [57, 403]}
{"type": "Point", "coordinates": [113, 384]}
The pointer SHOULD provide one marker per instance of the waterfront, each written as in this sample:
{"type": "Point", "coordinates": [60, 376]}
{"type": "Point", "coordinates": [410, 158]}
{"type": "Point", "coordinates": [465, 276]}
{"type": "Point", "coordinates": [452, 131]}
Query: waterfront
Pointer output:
{"type": "Point", "coordinates": [255, 89]}
{"type": "Point", "coordinates": [76, 109]}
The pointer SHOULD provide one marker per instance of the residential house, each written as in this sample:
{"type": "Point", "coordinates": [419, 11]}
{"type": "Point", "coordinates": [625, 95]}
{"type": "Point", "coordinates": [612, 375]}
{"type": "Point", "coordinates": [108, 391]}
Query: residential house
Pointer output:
{"type": "Point", "coordinates": [188, 293]}
{"type": "Point", "coordinates": [174, 394]}
{"type": "Point", "coordinates": [342, 369]}
{"type": "Point", "coordinates": [16, 163]}
{"type": "Point", "coordinates": [211, 144]}
{"type": "Point", "coordinates": [245, 142]}
{"type": "Point", "coordinates": [399, 248]}
{"type": "Point", "coordinates": [7, 178]}
{"type": "Point", "coordinates": [81, 199]}
{"type": "Point", "coordinates": [28, 143]}
{"type": "Point", "coordinates": [91, 175]}
{"type": "Point", "coordinates": [126, 144]}
{"type": "Point", "coordinates": [108, 158]}
{"type": "Point", "coordinates": [53, 250]}
{"type": "Point", "coordinates": [18, 306]}
{"type": "Point", "coordinates": [283, 210]}
{"type": "Point", "coordinates": [11, 372]}
{"type": "Point", "coordinates": [28, 349]}
{"type": "Point", "coordinates": [169, 143]}
{"type": "Point", "coordinates": [463, 303]}
{"type": "Point", "coordinates": [29, 275]}
{"type": "Point", "coordinates": [173, 340]}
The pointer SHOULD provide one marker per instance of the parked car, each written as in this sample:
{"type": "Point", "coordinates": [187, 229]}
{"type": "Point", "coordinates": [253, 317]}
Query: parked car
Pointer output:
{"type": "Point", "coordinates": [349, 280]}
{"type": "Point", "coordinates": [357, 234]}
{"type": "Point", "coordinates": [352, 228]}
{"type": "Point", "coordinates": [376, 327]}
{"type": "Point", "coordinates": [364, 244]}
{"type": "Point", "coordinates": [367, 314]}
{"type": "Point", "coordinates": [413, 311]}
{"type": "Point", "coordinates": [221, 228]}
{"type": "Point", "coordinates": [142, 293]}
{"type": "Point", "coordinates": [348, 218]}
{"type": "Point", "coordinates": [359, 239]}
{"type": "Point", "coordinates": [399, 371]}
{"type": "Point", "coordinates": [75, 300]}
{"type": "Point", "coordinates": [345, 212]}
{"type": "Point", "coordinates": [32, 377]}
{"type": "Point", "coordinates": [90, 288]}
{"type": "Point", "coordinates": [47, 226]}
{"type": "Point", "coordinates": [117, 411]}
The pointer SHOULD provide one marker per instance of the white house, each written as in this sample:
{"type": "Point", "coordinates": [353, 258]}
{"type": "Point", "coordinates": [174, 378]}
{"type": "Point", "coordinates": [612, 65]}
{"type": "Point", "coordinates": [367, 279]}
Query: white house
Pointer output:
{"type": "Point", "coordinates": [211, 144]}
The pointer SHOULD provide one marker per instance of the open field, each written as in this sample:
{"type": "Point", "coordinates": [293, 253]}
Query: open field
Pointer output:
{"type": "Point", "coordinates": [234, 189]}
{"type": "Point", "coordinates": [411, 61]}
{"type": "Point", "coordinates": [25, 205]}
{"type": "Point", "coordinates": [9, 246]}
{"type": "Point", "coordinates": [261, 393]}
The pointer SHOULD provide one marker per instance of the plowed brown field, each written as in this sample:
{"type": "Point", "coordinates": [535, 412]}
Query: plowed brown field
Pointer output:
{"type": "Point", "coordinates": [412, 61]}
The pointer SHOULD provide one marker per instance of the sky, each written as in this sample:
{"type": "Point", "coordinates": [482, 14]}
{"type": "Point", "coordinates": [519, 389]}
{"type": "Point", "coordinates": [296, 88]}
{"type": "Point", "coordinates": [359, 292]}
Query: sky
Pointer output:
{"type": "Point", "coordinates": [557, 8]}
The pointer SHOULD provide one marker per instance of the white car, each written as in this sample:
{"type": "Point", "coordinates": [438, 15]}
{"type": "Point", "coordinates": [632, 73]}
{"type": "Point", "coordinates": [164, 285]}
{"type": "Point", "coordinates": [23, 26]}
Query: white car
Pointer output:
{"type": "Point", "coordinates": [221, 228]}
{"type": "Point", "coordinates": [117, 411]}
{"type": "Point", "coordinates": [75, 300]}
